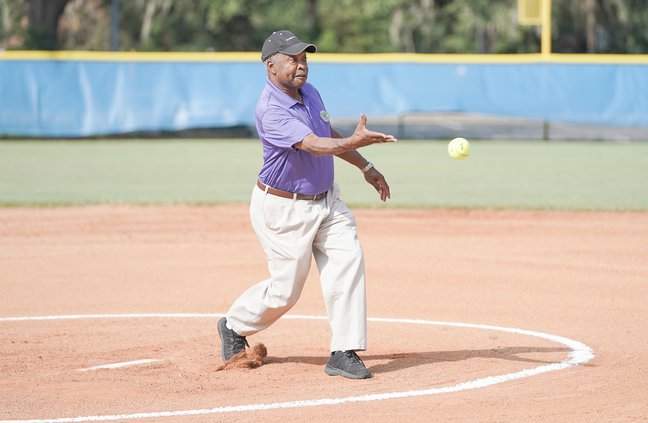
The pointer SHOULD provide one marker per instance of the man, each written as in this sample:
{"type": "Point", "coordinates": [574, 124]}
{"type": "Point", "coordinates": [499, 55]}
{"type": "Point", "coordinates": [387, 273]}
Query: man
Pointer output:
{"type": "Point", "coordinates": [297, 213]}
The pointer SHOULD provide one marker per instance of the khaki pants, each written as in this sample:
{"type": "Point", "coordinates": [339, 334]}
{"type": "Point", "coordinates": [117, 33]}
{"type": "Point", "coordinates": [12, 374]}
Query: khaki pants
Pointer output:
{"type": "Point", "coordinates": [291, 233]}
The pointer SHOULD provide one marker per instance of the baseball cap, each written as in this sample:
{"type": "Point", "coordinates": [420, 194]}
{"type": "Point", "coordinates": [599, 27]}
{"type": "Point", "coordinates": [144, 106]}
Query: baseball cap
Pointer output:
{"type": "Point", "coordinates": [286, 42]}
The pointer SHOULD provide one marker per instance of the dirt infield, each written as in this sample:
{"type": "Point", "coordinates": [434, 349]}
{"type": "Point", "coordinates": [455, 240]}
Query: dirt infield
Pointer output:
{"type": "Point", "coordinates": [583, 276]}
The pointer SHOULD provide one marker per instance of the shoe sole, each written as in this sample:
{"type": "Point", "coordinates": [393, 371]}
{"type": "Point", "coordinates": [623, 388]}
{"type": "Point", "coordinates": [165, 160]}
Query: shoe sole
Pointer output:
{"type": "Point", "coordinates": [220, 335]}
{"type": "Point", "coordinates": [332, 371]}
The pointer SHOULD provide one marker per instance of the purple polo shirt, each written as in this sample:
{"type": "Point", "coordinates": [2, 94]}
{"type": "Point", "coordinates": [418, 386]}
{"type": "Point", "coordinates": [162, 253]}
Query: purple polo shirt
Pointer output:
{"type": "Point", "coordinates": [282, 122]}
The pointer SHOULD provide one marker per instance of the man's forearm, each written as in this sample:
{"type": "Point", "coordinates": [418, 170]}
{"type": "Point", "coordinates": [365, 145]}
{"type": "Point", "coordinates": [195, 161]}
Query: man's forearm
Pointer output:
{"type": "Point", "coordinates": [361, 137]}
{"type": "Point", "coordinates": [354, 158]}
{"type": "Point", "coordinates": [324, 146]}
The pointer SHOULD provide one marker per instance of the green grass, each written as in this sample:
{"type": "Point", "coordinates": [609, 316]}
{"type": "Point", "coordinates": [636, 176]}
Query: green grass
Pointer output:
{"type": "Point", "coordinates": [531, 175]}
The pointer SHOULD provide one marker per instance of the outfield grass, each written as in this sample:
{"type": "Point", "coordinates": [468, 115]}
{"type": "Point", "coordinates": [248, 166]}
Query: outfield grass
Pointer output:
{"type": "Point", "coordinates": [531, 175]}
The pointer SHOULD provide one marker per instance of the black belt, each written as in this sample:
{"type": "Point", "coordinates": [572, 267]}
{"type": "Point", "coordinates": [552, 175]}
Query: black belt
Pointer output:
{"type": "Point", "coordinates": [286, 194]}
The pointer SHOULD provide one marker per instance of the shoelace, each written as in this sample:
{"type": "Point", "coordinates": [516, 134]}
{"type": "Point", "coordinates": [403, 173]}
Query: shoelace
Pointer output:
{"type": "Point", "coordinates": [353, 356]}
{"type": "Point", "coordinates": [239, 342]}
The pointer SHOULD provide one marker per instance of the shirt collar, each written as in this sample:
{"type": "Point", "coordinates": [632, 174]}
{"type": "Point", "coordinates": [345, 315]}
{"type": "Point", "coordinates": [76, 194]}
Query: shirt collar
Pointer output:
{"type": "Point", "coordinates": [283, 98]}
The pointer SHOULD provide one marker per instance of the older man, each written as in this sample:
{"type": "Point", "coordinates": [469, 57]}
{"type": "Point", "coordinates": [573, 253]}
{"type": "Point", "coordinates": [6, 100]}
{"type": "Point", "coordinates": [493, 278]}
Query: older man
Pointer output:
{"type": "Point", "coordinates": [297, 212]}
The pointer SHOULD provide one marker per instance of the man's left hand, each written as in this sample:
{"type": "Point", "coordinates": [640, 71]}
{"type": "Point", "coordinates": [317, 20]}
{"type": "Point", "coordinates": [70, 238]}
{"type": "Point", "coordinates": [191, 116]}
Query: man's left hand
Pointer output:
{"type": "Point", "coordinates": [377, 180]}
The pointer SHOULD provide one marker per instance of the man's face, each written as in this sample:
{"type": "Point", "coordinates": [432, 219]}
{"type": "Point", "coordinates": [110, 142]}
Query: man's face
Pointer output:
{"type": "Point", "coordinates": [290, 72]}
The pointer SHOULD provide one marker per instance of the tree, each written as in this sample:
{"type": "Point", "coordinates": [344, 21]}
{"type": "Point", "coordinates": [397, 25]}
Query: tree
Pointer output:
{"type": "Point", "coordinates": [85, 25]}
{"type": "Point", "coordinates": [12, 33]}
{"type": "Point", "coordinates": [43, 23]}
{"type": "Point", "coordinates": [355, 26]}
{"type": "Point", "coordinates": [600, 26]}
{"type": "Point", "coordinates": [460, 26]}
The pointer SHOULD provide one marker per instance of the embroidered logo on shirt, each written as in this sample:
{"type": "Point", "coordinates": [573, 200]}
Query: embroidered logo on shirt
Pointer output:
{"type": "Point", "coordinates": [324, 115]}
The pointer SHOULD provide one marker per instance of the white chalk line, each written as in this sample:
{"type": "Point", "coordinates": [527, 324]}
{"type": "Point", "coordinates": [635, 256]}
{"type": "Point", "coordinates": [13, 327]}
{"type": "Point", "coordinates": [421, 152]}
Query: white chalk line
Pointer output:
{"type": "Point", "coordinates": [580, 354]}
{"type": "Point", "coordinates": [122, 364]}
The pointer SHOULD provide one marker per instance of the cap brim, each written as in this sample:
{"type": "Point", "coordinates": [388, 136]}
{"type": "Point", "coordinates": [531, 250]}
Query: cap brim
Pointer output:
{"type": "Point", "coordinates": [298, 48]}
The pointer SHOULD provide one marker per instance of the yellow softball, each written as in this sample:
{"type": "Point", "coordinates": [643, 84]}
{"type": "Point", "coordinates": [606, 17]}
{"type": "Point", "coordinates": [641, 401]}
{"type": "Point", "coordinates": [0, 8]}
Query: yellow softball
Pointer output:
{"type": "Point", "coordinates": [459, 148]}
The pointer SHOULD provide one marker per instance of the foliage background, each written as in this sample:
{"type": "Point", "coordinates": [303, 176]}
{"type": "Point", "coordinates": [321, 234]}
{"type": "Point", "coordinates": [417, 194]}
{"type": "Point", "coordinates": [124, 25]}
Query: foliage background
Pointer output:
{"type": "Point", "coordinates": [354, 26]}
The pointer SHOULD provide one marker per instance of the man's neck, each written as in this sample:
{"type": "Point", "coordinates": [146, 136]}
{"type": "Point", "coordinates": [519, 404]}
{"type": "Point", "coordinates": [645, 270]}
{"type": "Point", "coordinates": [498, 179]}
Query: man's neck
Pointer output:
{"type": "Point", "coordinates": [294, 93]}
{"type": "Point", "coordinates": [291, 92]}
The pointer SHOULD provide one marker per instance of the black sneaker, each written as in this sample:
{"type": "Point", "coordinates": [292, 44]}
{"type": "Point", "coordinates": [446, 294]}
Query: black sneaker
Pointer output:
{"type": "Point", "coordinates": [231, 342]}
{"type": "Point", "coordinates": [347, 364]}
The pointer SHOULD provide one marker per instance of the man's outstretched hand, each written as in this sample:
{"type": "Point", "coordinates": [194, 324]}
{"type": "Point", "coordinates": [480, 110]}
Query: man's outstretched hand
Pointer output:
{"type": "Point", "coordinates": [363, 136]}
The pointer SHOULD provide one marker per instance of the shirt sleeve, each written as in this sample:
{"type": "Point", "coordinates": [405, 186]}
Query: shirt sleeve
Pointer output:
{"type": "Point", "coordinates": [282, 129]}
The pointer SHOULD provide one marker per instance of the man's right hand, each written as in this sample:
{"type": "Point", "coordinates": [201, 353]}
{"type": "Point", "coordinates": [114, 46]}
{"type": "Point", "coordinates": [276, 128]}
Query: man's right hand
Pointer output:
{"type": "Point", "coordinates": [362, 136]}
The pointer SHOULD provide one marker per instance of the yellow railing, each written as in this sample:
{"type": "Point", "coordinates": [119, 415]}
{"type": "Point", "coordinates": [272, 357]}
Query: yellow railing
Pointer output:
{"type": "Point", "coordinates": [109, 56]}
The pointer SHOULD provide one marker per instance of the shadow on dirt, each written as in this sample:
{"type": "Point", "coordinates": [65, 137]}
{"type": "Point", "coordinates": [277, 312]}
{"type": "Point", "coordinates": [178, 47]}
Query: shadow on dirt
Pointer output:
{"type": "Point", "coordinates": [400, 361]}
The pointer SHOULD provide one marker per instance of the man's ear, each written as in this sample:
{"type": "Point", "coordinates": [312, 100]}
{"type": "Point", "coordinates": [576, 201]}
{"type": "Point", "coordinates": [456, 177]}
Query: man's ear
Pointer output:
{"type": "Point", "coordinates": [270, 67]}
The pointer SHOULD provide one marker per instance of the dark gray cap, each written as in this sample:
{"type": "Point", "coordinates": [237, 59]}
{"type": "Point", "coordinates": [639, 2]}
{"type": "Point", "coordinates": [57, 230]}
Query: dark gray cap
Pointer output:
{"type": "Point", "coordinates": [284, 42]}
